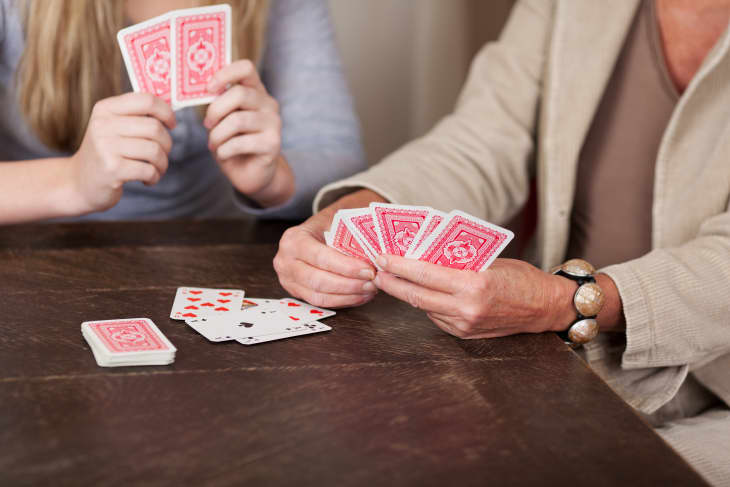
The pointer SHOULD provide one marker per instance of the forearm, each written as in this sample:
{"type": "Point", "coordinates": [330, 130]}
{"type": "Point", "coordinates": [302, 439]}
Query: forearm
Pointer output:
{"type": "Point", "coordinates": [36, 190]}
{"type": "Point", "coordinates": [562, 310]}
{"type": "Point", "coordinates": [611, 317]}
{"type": "Point", "coordinates": [358, 199]}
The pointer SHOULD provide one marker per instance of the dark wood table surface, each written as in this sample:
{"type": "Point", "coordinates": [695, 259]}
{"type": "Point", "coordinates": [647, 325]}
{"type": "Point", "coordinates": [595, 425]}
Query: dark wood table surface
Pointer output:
{"type": "Point", "coordinates": [384, 399]}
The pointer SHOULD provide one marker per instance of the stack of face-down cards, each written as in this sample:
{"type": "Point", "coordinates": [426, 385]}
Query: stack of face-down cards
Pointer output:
{"type": "Point", "coordinates": [130, 341]}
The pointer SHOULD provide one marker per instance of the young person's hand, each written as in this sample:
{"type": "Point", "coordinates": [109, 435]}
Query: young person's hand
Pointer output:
{"type": "Point", "coordinates": [126, 140]}
{"type": "Point", "coordinates": [245, 135]}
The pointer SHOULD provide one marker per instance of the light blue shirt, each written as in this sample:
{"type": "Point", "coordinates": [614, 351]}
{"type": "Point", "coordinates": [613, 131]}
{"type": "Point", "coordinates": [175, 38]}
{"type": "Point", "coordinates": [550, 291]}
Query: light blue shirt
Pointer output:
{"type": "Point", "coordinates": [300, 68]}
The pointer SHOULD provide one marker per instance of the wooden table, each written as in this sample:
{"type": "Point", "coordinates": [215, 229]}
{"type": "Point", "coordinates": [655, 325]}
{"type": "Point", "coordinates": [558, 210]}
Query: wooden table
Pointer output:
{"type": "Point", "coordinates": [383, 399]}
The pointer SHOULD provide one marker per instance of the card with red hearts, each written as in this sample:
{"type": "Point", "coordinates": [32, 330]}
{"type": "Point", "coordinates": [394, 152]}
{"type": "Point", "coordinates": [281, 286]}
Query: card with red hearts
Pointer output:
{"type": "Point", "coordinates": [197, 302]}
{"type": "Point", "coordinates": [299, 311]}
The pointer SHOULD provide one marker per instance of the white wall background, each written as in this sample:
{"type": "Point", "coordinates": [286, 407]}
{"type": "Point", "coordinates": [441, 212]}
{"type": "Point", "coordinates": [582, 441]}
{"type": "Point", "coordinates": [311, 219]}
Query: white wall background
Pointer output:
{"type": "Point", "coordinates": [407, 59]}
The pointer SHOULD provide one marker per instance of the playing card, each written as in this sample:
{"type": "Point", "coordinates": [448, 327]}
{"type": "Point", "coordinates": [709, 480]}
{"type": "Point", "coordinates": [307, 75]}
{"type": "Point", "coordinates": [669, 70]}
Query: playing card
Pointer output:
{"type": "Point", "coordinates": [255, 321]}
{"type": "Point", "coordinates": [198, 302]}
{"type": "Point", "coordinates": [432, 221]}
{"type": "Point", "coordinates": [251, 302]}
{"type": "Point", "coordinates": [299, 311]}
{"type": "Point", "coordinates": [130, 341]}
{"type": "Point", "coordinates": [214, 328]}
{"type": "Point", "coordinates": [361, 224]}
{"type": "Point", "coordinates": [396, 225]}
{"type": "Point", "coordinates": [201, 40]}
{"type": "Point", "coordinates": [129, 336]}
{"type": "Point", "coordinates": [309, 328]}
{"type": "Point", "coordinates": [146, 49]}
{"type": "Point", "coordinates": [463, 241]}
{"type": "Point", "coordinates": [343, 240]}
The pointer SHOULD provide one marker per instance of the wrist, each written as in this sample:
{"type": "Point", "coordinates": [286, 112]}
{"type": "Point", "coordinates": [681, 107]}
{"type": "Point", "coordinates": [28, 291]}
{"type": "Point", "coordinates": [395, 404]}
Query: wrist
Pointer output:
{"type": "Point", "coordinates": [68, 196]}
{"type": "Point", "coordinates": [611, 318]}
{"type": "Point", "coordinates": [322, 220]}
{"type": "Point", "coordinates": [561, 303]}
{"type": "Point", "coordinates": [279, 189]}
{"type": "Point", "coordinates": [358, 199]}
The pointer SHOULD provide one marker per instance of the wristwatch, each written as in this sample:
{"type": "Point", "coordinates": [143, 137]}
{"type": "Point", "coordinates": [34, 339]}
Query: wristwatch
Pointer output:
{"type": "Point", "coordinates": [588, 301]}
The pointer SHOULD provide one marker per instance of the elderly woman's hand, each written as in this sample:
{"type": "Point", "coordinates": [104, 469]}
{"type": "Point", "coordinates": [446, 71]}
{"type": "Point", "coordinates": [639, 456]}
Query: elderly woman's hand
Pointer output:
{"type": "Point", "coordinates": [510, 297]}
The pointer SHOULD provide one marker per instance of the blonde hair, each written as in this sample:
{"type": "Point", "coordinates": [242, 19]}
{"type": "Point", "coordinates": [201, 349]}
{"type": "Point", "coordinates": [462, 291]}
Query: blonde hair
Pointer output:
{"type": "Point", "coordinates": [72, 60]}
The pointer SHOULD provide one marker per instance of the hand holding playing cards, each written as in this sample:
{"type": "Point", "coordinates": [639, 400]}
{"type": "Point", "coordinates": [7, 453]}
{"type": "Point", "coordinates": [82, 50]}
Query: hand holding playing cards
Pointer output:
{"type": "Point", "coordinates": [245, 134]}
{"type": "Point", "coordinates": [125, 140]}
{"type": "Point", "coordinates": [311, 270]}
{"type": "Point", "coordinates": [510, 297]}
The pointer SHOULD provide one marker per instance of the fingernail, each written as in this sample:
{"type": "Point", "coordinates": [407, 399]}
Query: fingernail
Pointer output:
{"type": "Point", "coordinates": [367, 274]}
{"type": "Point", "coordinates": [369, 287]}
{"type": "Point", "coordinates": [382, 261]}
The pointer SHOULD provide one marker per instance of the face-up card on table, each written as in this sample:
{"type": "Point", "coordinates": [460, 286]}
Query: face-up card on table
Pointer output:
{"type": "Point", "coordinates": [462, 241]}
{"type": "Point", "coordinates": [397, 226]}
{"type": "Point", "coordinates": [251, 302]}
{"type": "Point", "coordinates": [308, 329]}
{"type": "Point", "coordinates": [131, 337]}
{"type": "Point", "coordinates": [147, 52]}
{"type": "Point", "coordinates": [282, 314]}
{"type": "Point", "coordinates": [201, 40]}
{"type": "Point", "coordinates": [256, 321]}
{"type": "Point", "coordinates": [299, 311]}
{"type": "Point", "coordinates": [191, 302]}
{"type": "Point", "coordinates": [432, 221]}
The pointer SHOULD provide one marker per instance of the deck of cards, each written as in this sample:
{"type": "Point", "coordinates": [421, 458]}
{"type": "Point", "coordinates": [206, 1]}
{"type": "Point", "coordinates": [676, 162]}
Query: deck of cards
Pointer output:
{"type": "Point", "coordinates": [173, 56]}
{"type": "Point", "coordinates": [456, 240]}
{"type": "Point", "coordinates": [226, 315]}
{"type": "Point", "coordinates": [132, 341]}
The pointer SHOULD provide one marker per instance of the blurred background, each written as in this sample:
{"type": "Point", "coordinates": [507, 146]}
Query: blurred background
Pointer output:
{"type": "Point", "coordinates": [406, 60]}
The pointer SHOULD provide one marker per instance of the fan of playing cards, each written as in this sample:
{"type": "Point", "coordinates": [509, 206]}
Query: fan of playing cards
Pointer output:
{"type": "Point", "coordinates": [455, 239]}
{"type": "Point", "coordinates": [173, 56]}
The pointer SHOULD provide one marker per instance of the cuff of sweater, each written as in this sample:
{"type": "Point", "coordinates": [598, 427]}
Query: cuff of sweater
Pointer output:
{"type": "Point", "coordinates": [639, 329]}
{"type": "Point", "coordinates": [334, 191]}
{"type": "Point", "coordinates": [297, 207]}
